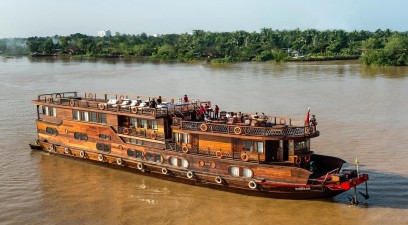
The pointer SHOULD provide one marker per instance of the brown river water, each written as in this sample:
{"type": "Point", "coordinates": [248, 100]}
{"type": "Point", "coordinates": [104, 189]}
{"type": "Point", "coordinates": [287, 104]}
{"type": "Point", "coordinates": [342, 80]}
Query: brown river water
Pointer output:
{"type": "Point", "coordinates": [361, 112]}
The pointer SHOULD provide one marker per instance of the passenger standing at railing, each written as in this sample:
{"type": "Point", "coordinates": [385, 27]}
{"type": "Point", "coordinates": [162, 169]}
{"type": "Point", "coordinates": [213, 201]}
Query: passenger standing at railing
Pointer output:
{"type": "Point", "coordinates": [185, 99]}
{"type": "Point", "coordinates": [313, 122]}
{"type": "Point", "coordinates": [159, 100]}
{"type": "Point", "coordinates": [216, 110]}
{"type": "Point", "coordinates": [202, 113]}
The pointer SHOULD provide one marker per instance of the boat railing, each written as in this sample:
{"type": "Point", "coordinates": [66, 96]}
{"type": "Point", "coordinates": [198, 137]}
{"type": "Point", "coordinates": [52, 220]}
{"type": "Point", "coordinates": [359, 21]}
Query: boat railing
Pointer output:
{"type": "Point", "coordinates": [240, 129]}
{"type": "Point", "coordinates": [101, 102]}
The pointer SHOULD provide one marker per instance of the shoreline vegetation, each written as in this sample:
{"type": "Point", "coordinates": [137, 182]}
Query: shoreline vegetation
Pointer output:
{"type": "Point", "coordinates": [379, 48]}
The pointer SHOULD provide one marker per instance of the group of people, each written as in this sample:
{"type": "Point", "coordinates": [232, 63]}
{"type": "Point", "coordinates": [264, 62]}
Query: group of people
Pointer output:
{"type": "Point", "coordinates": [204, 112]}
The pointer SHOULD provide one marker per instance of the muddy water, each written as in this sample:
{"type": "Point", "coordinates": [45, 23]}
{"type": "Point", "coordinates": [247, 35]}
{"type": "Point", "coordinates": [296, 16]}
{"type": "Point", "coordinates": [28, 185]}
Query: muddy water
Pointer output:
{"type": "Point", "coordinates": [361, 112]}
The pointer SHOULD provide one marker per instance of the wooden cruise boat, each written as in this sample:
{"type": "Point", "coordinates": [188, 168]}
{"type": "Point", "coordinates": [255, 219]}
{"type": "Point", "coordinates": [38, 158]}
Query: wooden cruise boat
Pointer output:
{"type": "Point", "coordinates": [250, 154]}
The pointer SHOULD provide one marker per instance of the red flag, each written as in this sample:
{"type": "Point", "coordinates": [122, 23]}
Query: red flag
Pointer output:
{"type": "Point", "coordinates": [307, 116]}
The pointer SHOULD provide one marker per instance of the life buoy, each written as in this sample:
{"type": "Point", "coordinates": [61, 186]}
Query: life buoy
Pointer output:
{"type": "Point", "coordinates": [140, 166]}
{"type": "Point", "coordinates": [134, 110]}
{"type": "Point", "coordinates": [218, 180]}
{"type": "Point", "coordinates": [190, 174]}
{"type": "Point", "coordinates": [238, 130]}
{"type": "Point", "coordinates": [101, 106]}
{"type": "Point", "coordinates": [184, 149]}
{"type": "Point", "coordinates": [126, 131]}
{"type": "Point", "coordinates": [82, 154]}
{"type": "Point", "coordinates": [252, 184]}
{"type": "Point", "coordinates": [282, 121]}
{"type": "Point", "coordinates": [218, 154]}
{"type": "Point", "coordinates": [72, 103]}
{"type": "Point", "coordinates": [100, 157]}
{"type": "Point", "coordinates": [164, 171]}
{"type": "Point", "coordinates": [213, 165]}
{"type": "Point", "coordinates": [298, 160]}
{"type": "Point", "coordinates": [119, 161]}
{"type": "Point", "coordinates": [90, 95]}
{"type": "Point", "coordinates": [201, 163]}
{"type": "Point", "coordinates": [203, 127]}
{"type": "Point", "coordinates": [153, 136]}
{"type": "Point", "coordinates": [245, 157]}
{"type": "Point", "coordinates": [67, 151]}
{"type": "Point", "coordinates": [307, 158]}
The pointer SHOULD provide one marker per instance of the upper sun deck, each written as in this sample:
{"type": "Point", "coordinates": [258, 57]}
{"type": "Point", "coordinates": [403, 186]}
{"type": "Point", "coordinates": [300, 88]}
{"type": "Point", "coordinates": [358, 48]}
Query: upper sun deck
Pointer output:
{"type": "Point", "coordinates": [183, 114]}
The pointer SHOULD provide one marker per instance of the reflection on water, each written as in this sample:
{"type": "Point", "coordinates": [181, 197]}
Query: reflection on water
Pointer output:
{"type": "Point", "coordinates": [361, 113]}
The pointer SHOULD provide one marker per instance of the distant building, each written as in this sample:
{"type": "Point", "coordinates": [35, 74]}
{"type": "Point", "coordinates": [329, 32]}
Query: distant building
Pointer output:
{"type": "Point", "coordinates": [104, 33]}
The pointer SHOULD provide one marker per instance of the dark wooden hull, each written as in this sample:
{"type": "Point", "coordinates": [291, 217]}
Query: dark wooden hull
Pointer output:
{"type": "Point", "coordinates": [279, 191]}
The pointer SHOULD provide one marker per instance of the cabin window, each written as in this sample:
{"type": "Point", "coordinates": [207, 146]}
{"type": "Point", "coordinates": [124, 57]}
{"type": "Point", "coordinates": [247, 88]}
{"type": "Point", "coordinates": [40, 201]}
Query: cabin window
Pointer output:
{"type": "Point", "coordinates": [104, 136]}
{"type": "Point", "coordinates": [176, 137]}
{"type": "Point", "coordinates": [259, 146]}
{"type": "Point", "coordinates": [81, 136]}
{"type": "Point", "coordinates": [153, 157]}
{"type": "Point", "coordinates": [50, 111]}
{"type": "Point", "coordinates": [246, 172]}
{"type": "Point", "coordinates": [135, 153]}
{"type": "Point", "coordinates": [135, 141]}
{"type": "Point", "coordinates": [301, 145]}
{"type": "Point", "coordinates": [240, 171]}
{"type": "Point", "coordinates": [179, 162]}
{"type": "Point", "coordinates": [143, 124]}
{"type": "Point", "coordinates": [181, 138]}
{"type": "Point", "coordinates": [75, 115]}
{"type": "Point", "coordinates": [247, 145]}
{"type": "Point", "coordinates": [103, 147]}
{"type": "Point", "coordinates": [93, 117]}
{"type": "Point", "coordinates": [51, 130]}
{"type": "Point", "coordinates": [153, 124]}
{"type": "Point", "coordinates": [185, 138]}
{"type": "Point", "coordinates": [234, 171]}
{"type": "Point", "coordinates": [85, 116]}
{"type": "Point", "coordinates": [133, 122]}
{"type": "Point", "coordinates": [102, 118]}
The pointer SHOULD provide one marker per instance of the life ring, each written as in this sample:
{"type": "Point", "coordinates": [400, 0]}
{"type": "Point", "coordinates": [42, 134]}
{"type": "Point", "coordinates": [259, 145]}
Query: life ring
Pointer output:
{"type": "Point", "coordinates": [67, 151]}
{"type": "Point", "coordinates": [101, 106]}
{"type": "Point", "coordinates": [134, 110]}
{"type": "Point", "coordinates": [184, 149]}
{"type": "Point", "coordinates": [203, 127]}
{"type": "Point", "coordinates": [252, 184]}
{"type": "Point", "coordinates": [307, 158]}
{"type": "Point", "coordinates": [218, 180]}
{"type": "Point", "coordinates": [100, 157]}
{"type": "Point", "coordinates": [190, 174]}
{"type": "Point", "coordinates": [153, 136]}
{"type": "Point", "coordinates": [90, 95]}
{"type": "Point", "coordinates": [126, 131]}
{"type": "Point", "coordinates": [245, 157]}
{"type": "Point", "coordinates": [213, 165]}
{"type": "Point", "coordinates": [201, 163]}
{"type": "Point", "coordinates": [164, 171]}
{"type": "Point", "coordinates": [72, 103]}
{"type": "Point", "coordinates": [218, 154]}
{"type": "Point", "coordinates": [121, 97]}
{"type": "Point", "coordinates": [119, 161]}
{"type": "Point", "coordinates": [238, 130]}
{"type": "Point", "coordinates": [282, 121]}
{"type": "Point", "coordinates": [298, 160]}
{"type": "Point", "coordinates": [140, 166]}
{"type": "Point", "coordinates": [82, 154]}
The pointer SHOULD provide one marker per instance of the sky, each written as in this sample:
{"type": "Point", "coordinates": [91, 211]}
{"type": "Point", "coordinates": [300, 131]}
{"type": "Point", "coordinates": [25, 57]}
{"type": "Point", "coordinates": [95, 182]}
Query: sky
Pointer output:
{"type": "Point", "coordinates": [28, 18]}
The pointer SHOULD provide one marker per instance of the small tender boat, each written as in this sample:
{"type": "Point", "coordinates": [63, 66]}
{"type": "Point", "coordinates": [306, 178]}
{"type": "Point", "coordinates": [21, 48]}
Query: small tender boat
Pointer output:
{"type": "Point", "coordinates": [186, 141]}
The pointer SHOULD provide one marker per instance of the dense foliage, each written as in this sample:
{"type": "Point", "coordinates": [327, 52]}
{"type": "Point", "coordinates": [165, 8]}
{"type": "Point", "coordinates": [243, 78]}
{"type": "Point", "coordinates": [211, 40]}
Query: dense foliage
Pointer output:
{"type": "Point", "coordinates": [373, 48]}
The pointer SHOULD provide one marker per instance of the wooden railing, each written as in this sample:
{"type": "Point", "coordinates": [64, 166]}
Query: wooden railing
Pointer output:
{"type": "Point", "coordinates": [239, 129]}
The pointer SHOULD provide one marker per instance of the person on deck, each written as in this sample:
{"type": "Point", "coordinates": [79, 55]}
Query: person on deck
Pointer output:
{"type": "Point", "coordinates": [216, 111]}
{"type": "Point", "coordinates": [202, 113]}
{"type": "Point", "coordinates": [152, 103]}
{"type": "Point", "coordinates": [185, 99]}
{"type": "Point", "coordinates": [159, 100]}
